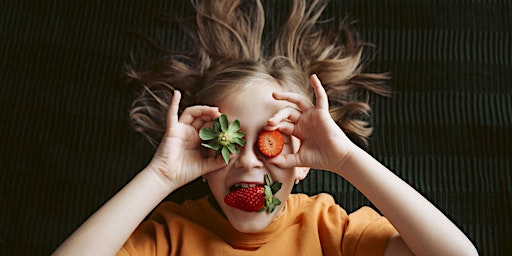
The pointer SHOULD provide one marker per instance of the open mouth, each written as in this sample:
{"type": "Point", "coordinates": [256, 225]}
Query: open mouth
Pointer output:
{"type": "Point", "coordinates": [242, 185]}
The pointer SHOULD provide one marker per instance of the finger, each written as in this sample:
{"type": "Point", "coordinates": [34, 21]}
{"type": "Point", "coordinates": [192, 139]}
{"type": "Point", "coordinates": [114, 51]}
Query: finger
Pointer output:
{"type": "Point", "coordinates": [285, 114]}
{"type": "Point", "coordinates": [301, 101]}
{"type": "Point", "coordinates": [212, 164]}
{"type": "Point", "coordinates": [322, 101]}
{"type": "Point", "coordinates": [205, 118]}
{"type": "Point", "coordinates": [286, 128]}
{"type": "Point", "coordinates": [198, 123]}
{"type": "Point", "coordinates": [172, 112]}
{"type": "Point", "coordinates": [286, 161]}
{"type": "Point", "coordinates": [198, 115]}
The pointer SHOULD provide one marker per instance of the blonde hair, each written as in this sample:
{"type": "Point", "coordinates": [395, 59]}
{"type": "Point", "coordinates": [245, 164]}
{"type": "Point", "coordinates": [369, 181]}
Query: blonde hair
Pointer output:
{"type": "Point", "coordinates": [228, 51]}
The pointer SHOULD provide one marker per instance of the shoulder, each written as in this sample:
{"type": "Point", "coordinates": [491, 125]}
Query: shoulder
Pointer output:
{"type": "Point", "coordinates": [173, 224]}
{"type": "Point", "coordinates": [363, 232]}
{"type": "Point", "coordinates": [367, 232]}
{"type": "Point", "coordinates": [190, 209]}
{"type": "Point", "coordinates": [325, 202]}
{"type": "Point", "coordinates": [319, 207]}
{"type": "Point", "coordinates": [306, 200]}
{"type": "Point", "coordinates": [319, 201]}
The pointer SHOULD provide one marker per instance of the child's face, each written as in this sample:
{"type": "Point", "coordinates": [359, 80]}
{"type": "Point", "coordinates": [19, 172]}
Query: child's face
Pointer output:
{"type": "Point", "coordinates": [253, 106]}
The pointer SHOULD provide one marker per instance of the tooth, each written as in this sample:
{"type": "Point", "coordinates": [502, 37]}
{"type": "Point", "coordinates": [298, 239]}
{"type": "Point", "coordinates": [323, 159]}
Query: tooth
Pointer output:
{"type": "Point", "coordinates": [243, 185]}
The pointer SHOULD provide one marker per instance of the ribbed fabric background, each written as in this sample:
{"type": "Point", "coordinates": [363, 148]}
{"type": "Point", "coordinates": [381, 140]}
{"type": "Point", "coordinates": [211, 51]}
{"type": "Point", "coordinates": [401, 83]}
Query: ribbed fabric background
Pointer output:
{"type": "Point", "coordinates": [65, 144]}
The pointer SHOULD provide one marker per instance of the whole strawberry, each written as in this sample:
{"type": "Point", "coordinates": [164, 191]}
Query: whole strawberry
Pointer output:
{"type": "Point", "coordinates": [249, 199]}
{"type": "Point", "coordinates": [255, 198]}
{"type": "Point", "coordinates": [223, 137]}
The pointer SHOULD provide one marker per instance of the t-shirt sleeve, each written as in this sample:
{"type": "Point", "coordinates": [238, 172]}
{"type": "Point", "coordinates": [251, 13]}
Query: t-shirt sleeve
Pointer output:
{"type": "Point", "coordinates": [123, 252]}
{"type": "Point", "coordinates": [146, 240]}
{"type": "Point", "coordinates": [367, 233]}
{"type": "Point", "coordinates": [150, 238]}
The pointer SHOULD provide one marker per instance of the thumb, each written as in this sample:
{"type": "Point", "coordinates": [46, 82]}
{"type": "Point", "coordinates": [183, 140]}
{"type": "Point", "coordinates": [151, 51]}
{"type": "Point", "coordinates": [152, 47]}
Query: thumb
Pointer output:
{"type": "Point", "coordinates": [287, 161]}
{"type": "Point", "coordinates": [211, 164]}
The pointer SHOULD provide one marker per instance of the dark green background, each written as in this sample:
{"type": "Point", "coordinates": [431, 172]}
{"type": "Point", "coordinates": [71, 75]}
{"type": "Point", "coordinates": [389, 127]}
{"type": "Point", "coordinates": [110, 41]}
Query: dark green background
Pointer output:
{"type": "Point", "coordinates": [66, 147]}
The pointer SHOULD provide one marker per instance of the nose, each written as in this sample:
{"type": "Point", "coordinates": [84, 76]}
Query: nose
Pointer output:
{"type": "Point", "coordinates": [248, 159]}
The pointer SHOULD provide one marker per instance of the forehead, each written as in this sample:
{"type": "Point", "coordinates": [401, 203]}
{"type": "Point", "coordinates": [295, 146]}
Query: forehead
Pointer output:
{"type": "Point", "coordinates": [252, 103]}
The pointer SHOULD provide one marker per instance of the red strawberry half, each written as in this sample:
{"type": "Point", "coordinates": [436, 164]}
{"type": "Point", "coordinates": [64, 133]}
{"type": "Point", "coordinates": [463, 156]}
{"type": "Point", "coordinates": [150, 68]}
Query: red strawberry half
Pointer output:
{"type": "Point", "coordinates": [270, 143]}
{"type": "Point", "coordinates": [250, 199]}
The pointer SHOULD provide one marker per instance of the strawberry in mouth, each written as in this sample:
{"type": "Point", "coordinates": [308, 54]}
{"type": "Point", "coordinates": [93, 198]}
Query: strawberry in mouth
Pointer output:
{"type": "Point", "coordinates": [249, 198]}
{"type": "Point", "coordinates": [254, 197]}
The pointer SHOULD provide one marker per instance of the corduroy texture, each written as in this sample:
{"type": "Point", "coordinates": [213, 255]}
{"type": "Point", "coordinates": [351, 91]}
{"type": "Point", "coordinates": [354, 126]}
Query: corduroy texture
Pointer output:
{"type": "Point", "coordinates": [65, 144]}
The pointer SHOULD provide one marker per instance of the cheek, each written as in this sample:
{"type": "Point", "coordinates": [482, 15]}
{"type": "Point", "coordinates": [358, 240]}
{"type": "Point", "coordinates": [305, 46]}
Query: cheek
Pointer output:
{"type": "Point", "coordinates": [216, 185]}
{"type": "Point", "coordinates": [216, 178]}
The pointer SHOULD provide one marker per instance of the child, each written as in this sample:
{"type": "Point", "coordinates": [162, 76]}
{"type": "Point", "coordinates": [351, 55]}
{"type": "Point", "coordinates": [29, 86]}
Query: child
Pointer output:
{"type": "Point", "coordinates": [229, 73]}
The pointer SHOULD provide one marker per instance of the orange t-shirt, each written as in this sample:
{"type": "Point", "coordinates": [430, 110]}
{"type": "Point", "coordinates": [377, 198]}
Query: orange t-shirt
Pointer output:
{"type": "Point", "coordinates": [308, 226]}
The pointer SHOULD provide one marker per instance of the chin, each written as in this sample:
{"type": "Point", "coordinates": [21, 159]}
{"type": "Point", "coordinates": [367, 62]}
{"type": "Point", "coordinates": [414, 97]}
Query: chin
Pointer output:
{"type": "Point", "coordinates": [249, 227]}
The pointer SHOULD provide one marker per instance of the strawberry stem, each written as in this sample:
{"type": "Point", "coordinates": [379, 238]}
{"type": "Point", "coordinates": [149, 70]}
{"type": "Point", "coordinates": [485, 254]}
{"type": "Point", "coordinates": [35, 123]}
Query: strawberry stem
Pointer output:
{"type": "Point", "coordinates": [223, 137]}
{"type": "Point", "coordinates": [271, 202]}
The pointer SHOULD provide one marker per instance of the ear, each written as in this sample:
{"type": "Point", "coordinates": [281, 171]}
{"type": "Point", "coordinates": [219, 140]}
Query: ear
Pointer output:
{"type": "Point", "coordinates": [301, 172]}
{"type": "Point", "coordinates": [295, 143]}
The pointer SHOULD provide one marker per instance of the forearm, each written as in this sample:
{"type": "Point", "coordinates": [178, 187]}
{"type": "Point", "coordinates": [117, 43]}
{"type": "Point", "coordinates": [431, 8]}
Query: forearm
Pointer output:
{"type": "Point", "coordinates": [425, 229]}
{"type": "Point", "coordinates": [107, 229]}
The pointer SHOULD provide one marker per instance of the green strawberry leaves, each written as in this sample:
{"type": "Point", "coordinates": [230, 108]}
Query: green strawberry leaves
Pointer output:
{"type": "Point", "coordinates": [223, 137]}
{"type": "Point", "coordinates": [271, 202]}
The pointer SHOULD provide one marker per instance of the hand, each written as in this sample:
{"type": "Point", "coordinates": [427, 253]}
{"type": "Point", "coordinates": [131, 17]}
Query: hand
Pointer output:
{"type": "Point", "coordinates": [323, 145]}
{"type": "Point", "coordinates": [178, 159]}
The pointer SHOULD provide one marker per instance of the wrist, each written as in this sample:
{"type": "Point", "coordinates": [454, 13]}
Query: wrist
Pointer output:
{"type": "Point", "coordinates": [349, 157]}
{"type": "Point", "coordinates": [159, 179]}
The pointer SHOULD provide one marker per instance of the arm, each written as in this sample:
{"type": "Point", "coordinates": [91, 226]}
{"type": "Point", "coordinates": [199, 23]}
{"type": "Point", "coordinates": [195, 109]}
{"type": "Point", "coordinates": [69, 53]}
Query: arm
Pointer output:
{"type": "Point", "coordinates": [108, 228]}
{"type": "Point", "coordinates": [423, 228]}
{"type": "Point", "coordinates": [176, 162]}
